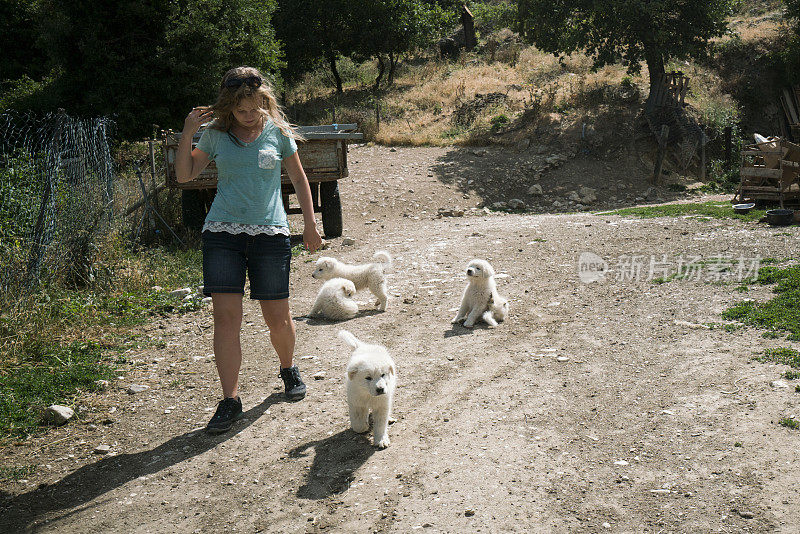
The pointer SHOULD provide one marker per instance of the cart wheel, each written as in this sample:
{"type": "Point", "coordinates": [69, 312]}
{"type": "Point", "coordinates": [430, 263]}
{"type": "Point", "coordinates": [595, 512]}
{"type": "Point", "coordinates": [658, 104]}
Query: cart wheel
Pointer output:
{"type": "Point", "coordinates": [331, 208]}
{"type": "Point", "coordinates": [193, 208]}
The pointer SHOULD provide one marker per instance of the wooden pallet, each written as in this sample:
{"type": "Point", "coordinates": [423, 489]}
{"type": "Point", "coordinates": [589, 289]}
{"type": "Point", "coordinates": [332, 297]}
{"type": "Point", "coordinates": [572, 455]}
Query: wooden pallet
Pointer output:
{"type": "Point", "coordinates": [770, 172]}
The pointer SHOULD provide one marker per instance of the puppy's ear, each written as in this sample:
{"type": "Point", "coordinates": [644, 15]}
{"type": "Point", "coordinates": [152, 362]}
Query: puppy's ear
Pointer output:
{"type": "Point", "coordinates": [391, 369]}
{"type": "Point", "coordinates": [351, 373]}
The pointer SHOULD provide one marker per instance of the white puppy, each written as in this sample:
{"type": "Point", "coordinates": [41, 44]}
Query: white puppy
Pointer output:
{"type": "Point", "coordinates": [481, 299]}
{"type": "Point", "coordinates": [371, 379]}
{"type": "Point", "coordinates": [368, 275]}
{"type": "Point", "coordinates": [335, 300]}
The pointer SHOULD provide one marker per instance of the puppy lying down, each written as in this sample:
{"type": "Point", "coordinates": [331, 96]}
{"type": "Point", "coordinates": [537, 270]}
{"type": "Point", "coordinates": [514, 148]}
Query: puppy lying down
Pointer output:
{"type": "Point", "coordinates": [335, 300]}
{"type": "Point", "coordinates": [371, 379]}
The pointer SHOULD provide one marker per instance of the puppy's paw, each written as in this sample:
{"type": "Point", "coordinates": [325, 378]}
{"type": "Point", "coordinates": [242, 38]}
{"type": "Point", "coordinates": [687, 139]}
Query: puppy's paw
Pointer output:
{"type": "Point", "coordinates": [456, 320]}
{"type": "Point", "coordinates": [469, 324]}
{"type": "Point", "coordinates": [383, 442]}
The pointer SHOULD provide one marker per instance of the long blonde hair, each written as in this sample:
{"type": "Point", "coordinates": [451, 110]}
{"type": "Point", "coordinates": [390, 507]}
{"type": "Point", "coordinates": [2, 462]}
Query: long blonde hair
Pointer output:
{"type": "Point", "coordinates": [231, 96]}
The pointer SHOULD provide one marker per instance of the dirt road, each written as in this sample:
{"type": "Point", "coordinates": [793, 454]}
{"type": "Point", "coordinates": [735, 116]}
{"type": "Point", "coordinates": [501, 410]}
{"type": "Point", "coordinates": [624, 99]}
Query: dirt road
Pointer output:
{"type": "Point", "coordinates": [597, 407]}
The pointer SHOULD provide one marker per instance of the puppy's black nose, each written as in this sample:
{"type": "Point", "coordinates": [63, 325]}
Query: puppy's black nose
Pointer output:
{"type": "Point", "coordinates": [379, 391]}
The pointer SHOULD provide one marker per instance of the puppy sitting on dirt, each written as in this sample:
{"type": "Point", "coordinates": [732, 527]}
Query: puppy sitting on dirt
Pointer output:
{"type": "Point", "coordinates": [481, 300]}
{"type": "Point", "coordinates": [371, 379]}
{"type": "Point", "coordinates": [335, 300]}
{"type": "Point", "coordinates": [368, 275]}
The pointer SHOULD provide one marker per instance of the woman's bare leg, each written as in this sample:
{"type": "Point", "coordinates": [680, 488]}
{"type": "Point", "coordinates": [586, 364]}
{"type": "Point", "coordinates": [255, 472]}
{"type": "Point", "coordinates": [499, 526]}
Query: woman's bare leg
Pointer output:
{"type": "Point", "coordinates": [227, 345]}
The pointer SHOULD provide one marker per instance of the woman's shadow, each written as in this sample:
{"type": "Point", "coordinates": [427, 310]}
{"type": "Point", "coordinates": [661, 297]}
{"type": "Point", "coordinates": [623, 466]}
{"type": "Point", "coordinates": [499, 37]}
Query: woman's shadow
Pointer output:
{"type": "Point", "coordinates": [336, 458]}
{"type": "Point", "coordinates": [80, 487]}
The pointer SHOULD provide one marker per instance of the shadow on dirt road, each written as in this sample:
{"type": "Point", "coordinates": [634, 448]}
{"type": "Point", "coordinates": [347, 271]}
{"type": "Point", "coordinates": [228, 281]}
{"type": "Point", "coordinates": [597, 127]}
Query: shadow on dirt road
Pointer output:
{"type": "Point", "coordinates": [89, 482]}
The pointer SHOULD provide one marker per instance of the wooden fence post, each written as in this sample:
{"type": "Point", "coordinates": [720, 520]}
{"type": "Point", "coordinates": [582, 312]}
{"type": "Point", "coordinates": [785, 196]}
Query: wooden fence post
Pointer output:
{"type": "Point", "coordinates": [728, 147]}
{"type": "Point", "coordinates": [662, 148]}
{"type": "Point", "coordinates": [153, 173]}
{"type": "Point", "coordinates": [468, 22]}
{"type": "Point", "coordinates": [703, 142]}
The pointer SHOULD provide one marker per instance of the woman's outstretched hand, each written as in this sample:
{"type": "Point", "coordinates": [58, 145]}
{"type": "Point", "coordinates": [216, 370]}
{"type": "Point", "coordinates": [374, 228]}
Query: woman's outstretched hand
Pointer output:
{"type": "Point", "coordinates": [196, 118]}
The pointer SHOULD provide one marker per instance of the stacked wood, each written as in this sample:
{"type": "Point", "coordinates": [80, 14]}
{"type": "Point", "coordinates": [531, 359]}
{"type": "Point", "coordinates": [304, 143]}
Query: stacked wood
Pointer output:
{"type": "Point", "coordinates": [770, 171]}
{"type": "Point", "coordinates": [790, 101]}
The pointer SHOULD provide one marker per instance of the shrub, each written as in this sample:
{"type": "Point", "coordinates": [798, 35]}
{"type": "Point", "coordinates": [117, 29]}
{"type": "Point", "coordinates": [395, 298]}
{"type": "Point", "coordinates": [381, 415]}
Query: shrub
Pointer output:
{"type": "Point", "coordinates": [493, 16]}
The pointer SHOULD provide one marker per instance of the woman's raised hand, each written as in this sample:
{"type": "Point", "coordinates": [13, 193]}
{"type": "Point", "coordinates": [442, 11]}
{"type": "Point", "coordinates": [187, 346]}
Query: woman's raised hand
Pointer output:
{"type": "Point", "coordinates": [196, 118]}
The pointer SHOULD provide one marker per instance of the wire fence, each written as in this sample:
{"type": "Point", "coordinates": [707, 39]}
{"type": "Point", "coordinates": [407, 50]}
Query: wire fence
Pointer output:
{"type": "Point", "coordinates": [56, 198]}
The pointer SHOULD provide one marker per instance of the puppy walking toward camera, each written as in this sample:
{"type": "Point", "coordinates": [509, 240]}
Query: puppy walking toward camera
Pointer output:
{"type": "Point", "coordinates": [335, 300]}
{"type": "Point", "coordinates": [371, 378]}
{"type": "Point", "coordinates": [481, 299]}
{"type": "Point", "coordinates": [367, 275]}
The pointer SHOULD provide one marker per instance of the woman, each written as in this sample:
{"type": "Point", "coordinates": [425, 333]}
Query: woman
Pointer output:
{"type": "Point", "coordinates": [246, 230]}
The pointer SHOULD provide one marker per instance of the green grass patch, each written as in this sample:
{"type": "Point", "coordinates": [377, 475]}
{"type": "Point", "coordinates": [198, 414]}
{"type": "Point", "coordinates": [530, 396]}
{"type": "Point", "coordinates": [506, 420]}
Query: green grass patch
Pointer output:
{"type": "Point", "coordinates": [14, 473]}
{"type": "Point", "coordinates": [714, 210]}
{"type": "Point", "coordinates": [56, 343]}
{"type": "Point", "coordinates": [789, 422]}
{"type": "Point", "coordinates": [791, 375]}
{"type": "Point", "coordinates": [783, 355]}
{"type": "Point", "coordinates": [49, 375]}
{"type": "Point", "coordinates": [298, 249]}
{"type": "Point", "coordinates": [781, 314]}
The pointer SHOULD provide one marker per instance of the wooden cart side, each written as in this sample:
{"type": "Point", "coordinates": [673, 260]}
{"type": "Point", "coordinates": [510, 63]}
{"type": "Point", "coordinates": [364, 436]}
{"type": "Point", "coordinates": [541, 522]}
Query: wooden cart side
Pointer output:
{"type": "Point", "coordinates": [323, 156]}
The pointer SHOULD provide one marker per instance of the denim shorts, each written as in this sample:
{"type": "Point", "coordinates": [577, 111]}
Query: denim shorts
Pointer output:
{"type": "Point", "coordinates": [264, 258]}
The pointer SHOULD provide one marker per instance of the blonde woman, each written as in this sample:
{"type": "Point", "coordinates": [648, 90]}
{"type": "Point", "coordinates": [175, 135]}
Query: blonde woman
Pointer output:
{"type": "Point", "coordinates": [246, 231]}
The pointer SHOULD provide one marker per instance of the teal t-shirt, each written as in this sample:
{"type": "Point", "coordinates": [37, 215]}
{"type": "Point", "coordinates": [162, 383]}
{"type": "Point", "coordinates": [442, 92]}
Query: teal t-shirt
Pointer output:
{"type": "Point", "coordinates": [248, 176]}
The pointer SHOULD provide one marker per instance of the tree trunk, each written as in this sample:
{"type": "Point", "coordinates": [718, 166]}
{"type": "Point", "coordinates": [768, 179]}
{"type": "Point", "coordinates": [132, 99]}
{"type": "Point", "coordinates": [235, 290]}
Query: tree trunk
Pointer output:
{"type": "Point", "coordinates": [655, 66]}
{"type": "Point", "coordinates": [392, 65]}
{"type": "Point", "coordinates": [381, 69]}
{"type": "Point", "coordinates": [332, 63]}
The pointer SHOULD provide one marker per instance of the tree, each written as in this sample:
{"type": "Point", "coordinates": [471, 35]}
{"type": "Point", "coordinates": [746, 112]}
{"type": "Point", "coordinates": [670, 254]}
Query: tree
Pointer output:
{"type": "Point", "coordinates": [150, 62]}
{"type": "Point", "coordinates": [17, 29]}
{"type": "Point", "coordinates": [389, 28]}
{"type": "Point", "coordinates": [791, 55]}
{"type": "Point", "coordinates": [314, 31]}
{"type": "Point", "coordinates": [630, 31]}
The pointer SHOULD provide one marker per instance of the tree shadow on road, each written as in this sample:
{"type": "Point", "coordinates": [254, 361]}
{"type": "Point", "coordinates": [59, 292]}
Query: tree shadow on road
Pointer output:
{"type": "Point", "coordinates": [336, 458]}
{"type": "Point", "coordinates": [82, 486]}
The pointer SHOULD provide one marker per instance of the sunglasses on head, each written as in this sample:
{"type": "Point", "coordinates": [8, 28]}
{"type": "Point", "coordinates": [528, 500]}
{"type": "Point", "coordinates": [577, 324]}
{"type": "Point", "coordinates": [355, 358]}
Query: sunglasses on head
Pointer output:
{"type": "Point", "coordinates": [252, 81]}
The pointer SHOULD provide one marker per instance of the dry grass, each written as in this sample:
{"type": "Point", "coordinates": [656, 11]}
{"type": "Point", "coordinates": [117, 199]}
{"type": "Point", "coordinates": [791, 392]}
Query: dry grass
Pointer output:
{"type": "Point", "coordinates": [537, 88]}
{"type": "Point", "coordinates": [419, 109]}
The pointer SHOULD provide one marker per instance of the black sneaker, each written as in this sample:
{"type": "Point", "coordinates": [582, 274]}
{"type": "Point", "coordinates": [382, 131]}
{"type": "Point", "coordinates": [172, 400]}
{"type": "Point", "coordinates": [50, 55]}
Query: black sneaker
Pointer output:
{"type": "Point", "coordinates": [295, 388]}
{"type": "Point", "coordinates": [228, 411]}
